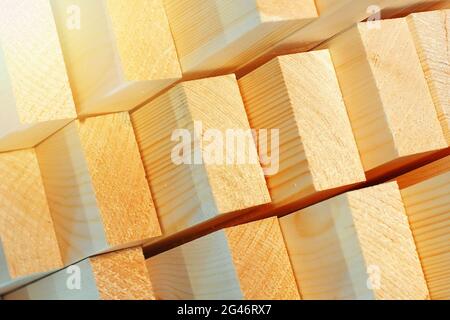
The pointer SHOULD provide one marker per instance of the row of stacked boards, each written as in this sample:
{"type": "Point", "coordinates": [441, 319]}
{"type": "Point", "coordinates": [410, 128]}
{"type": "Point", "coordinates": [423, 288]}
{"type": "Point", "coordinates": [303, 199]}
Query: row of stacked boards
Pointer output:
{"type": "Point", "coordinates": [224, 149]}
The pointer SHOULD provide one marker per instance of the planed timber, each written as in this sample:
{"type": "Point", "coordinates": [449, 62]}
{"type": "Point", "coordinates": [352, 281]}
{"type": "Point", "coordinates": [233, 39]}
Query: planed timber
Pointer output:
{"type": "Point", "coordinates": [35, 96]}
{"type": "Point", "coordinates": [96, 187]}
{"type": "Point", "coordinates": [244, 262]}
{"type": "Point", "coordinates": [336, 16]}
{"type": "Point", "coordinates": [299, 95]}
{"type": "Point", "coordinates": [118, 54]}
{"type": "Point", "coordinates": [426, 195]}
{"type": "Point", "coordinates": [355, 246]}
{"type": "Point", "coordinates": [28, 244]}
{"type": "Point", "coordinates": [430, 32]}
{"type": "Point", "coordinates": [387, 97]}
{"type": "Point", "coordinates": [120, 275]}
{"type": "Point", "coordinates": [217, 36]}
{"type": "Point", "coordinates": [196, 189]}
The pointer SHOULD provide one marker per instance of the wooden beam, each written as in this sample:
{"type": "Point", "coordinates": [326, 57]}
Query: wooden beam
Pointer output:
{"type": "Point", "coordinates": [120, 275]}
{"type": "Point", "coordinates": [118, 54]}
{"type": "Point", "coordinates": [28, 243]}
{"type": "Point", "coordinates": [355, 246]}
{"type": "Point", "coordinates": [416, 6]}
{"type": "Point", "coordinates": [317, 150]}
{"type": "Point", "coordinates": [217, 36]}
{"type": "Point", "coordinates": [187, 187]}
{"type": "Point", "coordinates": [35, 95]}
{"type": "Point", "coordinates": [336, 16]}
{"type": "Point", "coordinates": [245, 262]}
{"type": "Point", "coordinates": [390, 107]}
{"type": "Point", "coordinates": [426, 196]}
{"type": "Point", "coordinates": [96, 187]}
{"type": "Point", "coordinates": [430, 32]}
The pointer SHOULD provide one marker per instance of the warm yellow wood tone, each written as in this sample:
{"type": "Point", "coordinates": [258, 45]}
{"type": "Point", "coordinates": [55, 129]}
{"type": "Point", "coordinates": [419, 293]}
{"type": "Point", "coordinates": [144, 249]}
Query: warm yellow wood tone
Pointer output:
{"type": "Point", "coordinates": [96, 187]}
{"type": "Point", "coordinates": [119, 53]}
{"type": "Point", "coordinates": [355, 246]}
{"type": "Point", "coordinates": [199, 270]}
{"type": "Point", "coordinates": [390, 107]}
{"type": "Point", "coordinates": [426, 195]}
{"type": "Point", "coordinates": [336, 16]}
{"type": "Point", "coordinates": [299, 95]}
{"type": "Point", "coordinates": [28, 242]}
{"type": "Point", "coordinates": [430, 32]}
{"type": "Point", "coordinates": [35, 95]}
{"type": "Point", "coordinates": [261, 261]}
{"type": "Point", "coordinates": [217, 36]}
{"type": "Point", "coordinates": [244, 262]}
{"type": "Point", "coordinates": [120, 275]}
{"type": "Point", "coordinates": [188, 194]}
{"type": "Point", "coordinates": [440, 5]}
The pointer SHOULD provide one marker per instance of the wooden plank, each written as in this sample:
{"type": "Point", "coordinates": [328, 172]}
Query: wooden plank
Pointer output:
{"type": "Point", "coordinates": [96, 187]}
{"type": "Point", "coordinates": [118, 54]}
{"type": "Point", "coordinates": [177, 133]}
{"type": "Point", "coordinates": [388, 102]}
{"type": "Point", "coordinates": [245, 262]}
{"type": "Point", "coordinates": [317, 152]}
{"type": "Point", "coordinates": [355, 246]}
{"type": "Point", "coordinates": [426, 195]}
{"type": "Point", "coordinates": [216, 36]}
{"type": "Point", "coordinates": [120, 275]}
{"type": "Point", "coordinates": [336, 16]}
{"type": "Point", "coordinates": [35, 94]}
{"type": "Point", "coordinates": [430, 32]}
{"type": "Point", "coordinates": [28, 243]}
{"type": "Point", "coordinates": [419, 6]}
{"type": "Point", "coordinates": [261, 261]}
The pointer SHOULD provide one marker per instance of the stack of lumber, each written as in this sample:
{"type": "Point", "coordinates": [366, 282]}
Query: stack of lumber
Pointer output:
{"type": "Point", "coordinates": [118, 54]}
{"type": "Point", "coordinates": [223, 149]}
{"type": "Point", "coordinates": [426, 196]}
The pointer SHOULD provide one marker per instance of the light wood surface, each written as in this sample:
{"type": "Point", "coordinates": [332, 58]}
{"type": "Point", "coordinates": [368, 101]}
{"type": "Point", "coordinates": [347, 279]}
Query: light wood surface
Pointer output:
{"type": "Point", "coordinates": [299, 95]}
{"type": "Point", "coordinates": [261, 261]}
{"type": "Point", "coordinates": [118, 53]}
{"type": "Point", "coordinates": [28, 243]}
{"type": "Point", "coordinates": [188, 194]}
{"type": "Point", "coordinates": [426, 195]}
{"type": "Point", "coordinates": [120, 275]}
{"type": "Point", "coordinates": [217, 36]}
{"type": "Point", "coordinates": [244, 262]}
{"type": "Point", "coordinates": [355, 246]}
{"type": "Point", "coordinates": [430, 32]}
{"type": "Point", "coordinates": [96, 187]}
{"type": "Point", "coordinates": [35, 94]}
{"type": "Point", "coordinates": [336, 16]}
{"type": "Point", "coordinates": [387, 98]}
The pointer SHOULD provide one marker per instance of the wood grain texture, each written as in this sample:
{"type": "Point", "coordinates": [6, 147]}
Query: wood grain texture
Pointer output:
{"type": "Point", "coordinates": [34, 87]}
{"type": "Point", "coordinates": [338, 15]}
{"type": "Point", "coordinates": [355, 246]}
{"type": "Point", "coordinates": [390, 107]}
{"type": "Point", "coordinates": [244, 262]}
{"type": "Point", "coordinates": [300, 96]}
{"type": "Point", "coordinates": [28, 243]}
{"type": "Point", "coordinates": [188, 194]}
{"type": "Point", "coordinates": [261, 261]}
{"type": "Point", "coordinates": [426, 195]}
{"type": "Point", "coordinates": [198, 270]}
{"type": "Point", "coordinates": [335, 16]}
{"type": "Point", "coordinates": [119, 55]}
{"type": "Point", "coordinates": [430, 32]}
{"type": "Point", "coordinates": [120, 275]}
{"type": "Point", "coordinates": [96, 187]}
{"type": "Point", "coordinates": [215, 36]}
